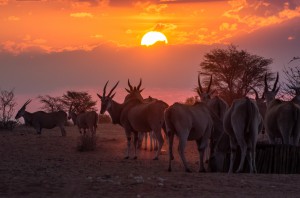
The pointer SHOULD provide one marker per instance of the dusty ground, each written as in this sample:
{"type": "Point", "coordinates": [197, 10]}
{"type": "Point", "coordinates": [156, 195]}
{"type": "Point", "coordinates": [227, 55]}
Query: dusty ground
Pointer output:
{"type": "Point", "coordinates": [49, 165]}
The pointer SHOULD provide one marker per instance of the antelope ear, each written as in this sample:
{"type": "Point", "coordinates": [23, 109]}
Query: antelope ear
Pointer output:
{"type": "Point", "coordinates": [100, 96]}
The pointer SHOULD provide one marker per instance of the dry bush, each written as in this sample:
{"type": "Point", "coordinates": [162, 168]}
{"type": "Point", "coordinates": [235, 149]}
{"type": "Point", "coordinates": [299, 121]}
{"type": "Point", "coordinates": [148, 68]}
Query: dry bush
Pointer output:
{"type": "Point", "coordinates": [87, 142]}
{"type": "Point", "coordinates": [104, 119]}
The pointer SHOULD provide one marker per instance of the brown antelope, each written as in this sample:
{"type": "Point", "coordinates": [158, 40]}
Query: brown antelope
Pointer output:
{"type": "Point", "coordinates": [86, 120]}
{"type": "Point", "coordinates": [282, 119]}
{"type": "Point", "coordinates": [40, 119]}
{"type": "Point", "coordinates": [188, 122]}
{"type": "Point", "coordinates": [242, 123]}
{"type": "Point", "coordinates": [135, 116]}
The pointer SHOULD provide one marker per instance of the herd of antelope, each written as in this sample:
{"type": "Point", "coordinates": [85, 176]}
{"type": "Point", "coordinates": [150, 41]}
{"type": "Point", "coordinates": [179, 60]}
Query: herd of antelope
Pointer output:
{"type": "Point", "coordinates": [206, 122]}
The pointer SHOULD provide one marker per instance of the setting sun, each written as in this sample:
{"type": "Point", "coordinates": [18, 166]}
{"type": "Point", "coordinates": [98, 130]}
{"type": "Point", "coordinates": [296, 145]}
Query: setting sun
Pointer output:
{"type": "Point", "coordinates": [152, 37]}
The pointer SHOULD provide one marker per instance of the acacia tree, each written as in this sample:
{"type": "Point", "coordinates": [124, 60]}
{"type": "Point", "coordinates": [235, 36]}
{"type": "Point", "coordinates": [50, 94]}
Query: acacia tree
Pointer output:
{"type": "Point", "coordinates": [50, 103]}
{"type": "Point", "coordinates": [81, 101]}
{"type": "Point", "coordinates": [234, 71]}
{"type": "Point", "coordinates": [292, 77]}
{"type": "Point", "coordinates": [7, 105]}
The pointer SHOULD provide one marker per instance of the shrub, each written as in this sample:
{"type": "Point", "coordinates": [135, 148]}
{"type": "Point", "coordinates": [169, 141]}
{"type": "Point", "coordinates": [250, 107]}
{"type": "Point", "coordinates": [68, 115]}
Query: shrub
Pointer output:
{"type": "Point", "coordinates": [104, 119]}
{"type": "Point", "coordinates": [87, 142]}
{"type": "Point", "coordinates": [8, 125]}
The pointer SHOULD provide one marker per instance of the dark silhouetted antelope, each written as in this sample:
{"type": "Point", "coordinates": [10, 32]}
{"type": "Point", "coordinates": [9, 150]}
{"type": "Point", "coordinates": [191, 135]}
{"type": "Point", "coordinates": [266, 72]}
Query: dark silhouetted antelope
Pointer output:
{"type": "Point", "coordinates": [40, 119]}
{"type": "Point", "coordinates": [282, 119]}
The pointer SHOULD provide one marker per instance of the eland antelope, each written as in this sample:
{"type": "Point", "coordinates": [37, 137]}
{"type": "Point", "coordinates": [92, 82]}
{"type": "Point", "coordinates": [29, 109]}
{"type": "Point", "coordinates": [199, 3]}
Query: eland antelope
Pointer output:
{"type": "Point", "coordinates": [40, 119]}
{"type": "Point", "coordinates": [216, 104]}
{"type": "Point", "coordinates": [282, 119]}
{"type": "Point", "coordinates": [242, 123]}
{"type": "Point", "coordinates": [85, 120]}
{"type": "Point", "coordinates": [188, 122]}
{"type": "Point", "coordinates": [135, 116]}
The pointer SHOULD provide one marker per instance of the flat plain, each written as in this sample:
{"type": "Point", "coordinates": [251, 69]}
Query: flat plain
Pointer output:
{"type": "Point", "coordinates": [49, 165]}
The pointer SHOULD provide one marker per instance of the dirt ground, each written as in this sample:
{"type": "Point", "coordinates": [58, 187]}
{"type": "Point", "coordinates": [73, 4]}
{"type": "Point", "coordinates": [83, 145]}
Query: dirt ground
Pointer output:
{"type": "Point", "coordinates": [49, 165]}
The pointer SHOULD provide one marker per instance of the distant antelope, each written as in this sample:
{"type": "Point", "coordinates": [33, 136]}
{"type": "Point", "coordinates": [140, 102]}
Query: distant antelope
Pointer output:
{"type": "Point", "coordinates": [40, 119]}
{"type": "Point", "coordinates": [86, 120]}
{"type": "Point", "coordinates": [135, 116]}
{"type": "Point", "coordinates": [243, 122]}
{"type": "Point", "coordinates": [282, 119]}
{"type": "Point", "coordinates": [188, 123]}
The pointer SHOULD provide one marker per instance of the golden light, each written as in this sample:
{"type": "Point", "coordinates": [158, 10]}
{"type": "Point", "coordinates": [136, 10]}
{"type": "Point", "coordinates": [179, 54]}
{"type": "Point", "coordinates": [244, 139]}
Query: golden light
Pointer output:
{"type": "Point", "coordinates": [150, 38]}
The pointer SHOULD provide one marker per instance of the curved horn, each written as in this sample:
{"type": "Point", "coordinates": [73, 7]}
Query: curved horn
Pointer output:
{"type": "Point", "coordinates": [208, 88]}
{"type": "Point", "coordinates": [276, 81]}
{"type": "Point", "coordinates": [266, 83]}
{"type": "Point", "coordinates": [139, 86]}
{"type": "Point", "coordinates": [104, 90]}
{"type": "Point", "coordinates": [199, 84]}
{"type": "Point", "coordinates": [130, 86]}
{"type": "Point", "coordinates": [70, 109]}
{"type": "Point", "coordinates": [26, 103]}
{"type": "Point", "coordinates": [256, 94]}
{"type": "Point", "coordinates": [113, 89]}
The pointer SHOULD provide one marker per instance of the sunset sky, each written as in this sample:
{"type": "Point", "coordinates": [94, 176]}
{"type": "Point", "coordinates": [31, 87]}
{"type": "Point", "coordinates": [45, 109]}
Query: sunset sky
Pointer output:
{"type": "Point", "coordinates": [50, 46]}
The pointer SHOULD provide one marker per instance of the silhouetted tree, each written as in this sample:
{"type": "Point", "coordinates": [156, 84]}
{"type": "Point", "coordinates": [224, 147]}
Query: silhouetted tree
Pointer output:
{"type": "Point", "coordinates": [191, 100]}
{"type": "Point", "coordinates": [292, 77]}
{"type": "Point", "coordinates": [234, 71]}
{"type": "Point", "coordinates": [7, 108]}
{"type": "Point", "coordinates": [81, 101]}
{"type": "Point", "coordinates": [50, 103]}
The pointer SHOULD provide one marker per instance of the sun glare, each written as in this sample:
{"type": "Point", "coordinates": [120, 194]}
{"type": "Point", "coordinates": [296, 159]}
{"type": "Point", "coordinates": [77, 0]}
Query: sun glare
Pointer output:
{"type": "Point", "coordinates": [150, 38]}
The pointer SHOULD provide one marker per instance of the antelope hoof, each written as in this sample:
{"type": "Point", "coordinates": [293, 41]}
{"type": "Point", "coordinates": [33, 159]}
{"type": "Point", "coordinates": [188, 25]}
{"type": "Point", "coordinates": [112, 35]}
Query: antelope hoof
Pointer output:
{"type": "Point", "coordinates": [188, 170]}
{"type": "Point", "coordinates": [172, 157]}
{"type": "Point", "coordinates": [156, 158]}
{"type": "Point", "coordinates": [135, 157]}
{"type": "Point", "coordinates": [169, 169]}
{"type": "Point", "coordinates": [127, 157]}
{"type": "Point", "coordinates": [202, 170]}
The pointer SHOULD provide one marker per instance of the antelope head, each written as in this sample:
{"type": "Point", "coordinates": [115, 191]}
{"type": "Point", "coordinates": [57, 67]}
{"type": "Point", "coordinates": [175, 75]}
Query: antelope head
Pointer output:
{"type": "Point", "coordinates": [204, 96]}
{"type": "Point", "coordinates": [134, 92]}
{"type": "Point", "coordinates": [22, 111]}
{"type": "Point", "coordinates": [260, 101]}
{"type": "Point", "coordinates": [270, 94]}
{"type": "Point", "coordinates": [106, 100]}
{"type": "Point", "coordinates": [71, 111]}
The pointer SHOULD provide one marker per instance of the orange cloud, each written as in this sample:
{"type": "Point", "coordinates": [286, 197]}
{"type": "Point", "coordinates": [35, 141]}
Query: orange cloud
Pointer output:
{"type": "Point", "coordinates": [81, 15]}
{"type": "Point", "coordinates": [13, 18]}
{"type": "Point", "coordinates": [3, 2]}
